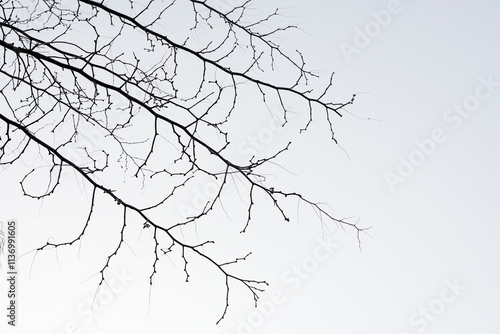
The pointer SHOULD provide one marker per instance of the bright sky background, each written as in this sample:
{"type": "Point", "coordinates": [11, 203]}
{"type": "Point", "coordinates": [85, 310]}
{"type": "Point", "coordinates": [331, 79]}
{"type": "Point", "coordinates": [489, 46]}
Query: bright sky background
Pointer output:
{"type": "Point", "coordinates": [429, 264]}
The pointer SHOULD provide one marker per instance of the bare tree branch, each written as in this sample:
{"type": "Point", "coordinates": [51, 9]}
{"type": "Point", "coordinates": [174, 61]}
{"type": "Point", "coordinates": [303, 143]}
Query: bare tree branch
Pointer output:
{"type": "Point", "coordinates": [106, 89]}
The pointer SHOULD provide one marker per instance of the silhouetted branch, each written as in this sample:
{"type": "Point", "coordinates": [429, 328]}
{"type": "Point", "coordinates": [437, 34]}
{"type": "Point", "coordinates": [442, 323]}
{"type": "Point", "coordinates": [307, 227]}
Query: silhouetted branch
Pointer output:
{"type": "Point", "coordinates": [108, 89]}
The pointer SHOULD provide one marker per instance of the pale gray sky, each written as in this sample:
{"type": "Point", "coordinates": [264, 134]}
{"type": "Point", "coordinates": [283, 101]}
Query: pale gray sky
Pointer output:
{"type": "Point", "coordinates": [422, 169]}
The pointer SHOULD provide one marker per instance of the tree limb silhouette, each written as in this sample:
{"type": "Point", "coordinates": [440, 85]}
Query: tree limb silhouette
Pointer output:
{"type": "Point", "coordinates": [163, 101]}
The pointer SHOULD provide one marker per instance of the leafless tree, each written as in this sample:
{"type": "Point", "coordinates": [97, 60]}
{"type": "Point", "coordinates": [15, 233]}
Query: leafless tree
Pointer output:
{"type": "Point", "coordinates": [167, 85]}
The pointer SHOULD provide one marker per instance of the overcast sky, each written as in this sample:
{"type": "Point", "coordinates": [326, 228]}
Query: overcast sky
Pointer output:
{"type": "Point", "coordinates": [422, 143]}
